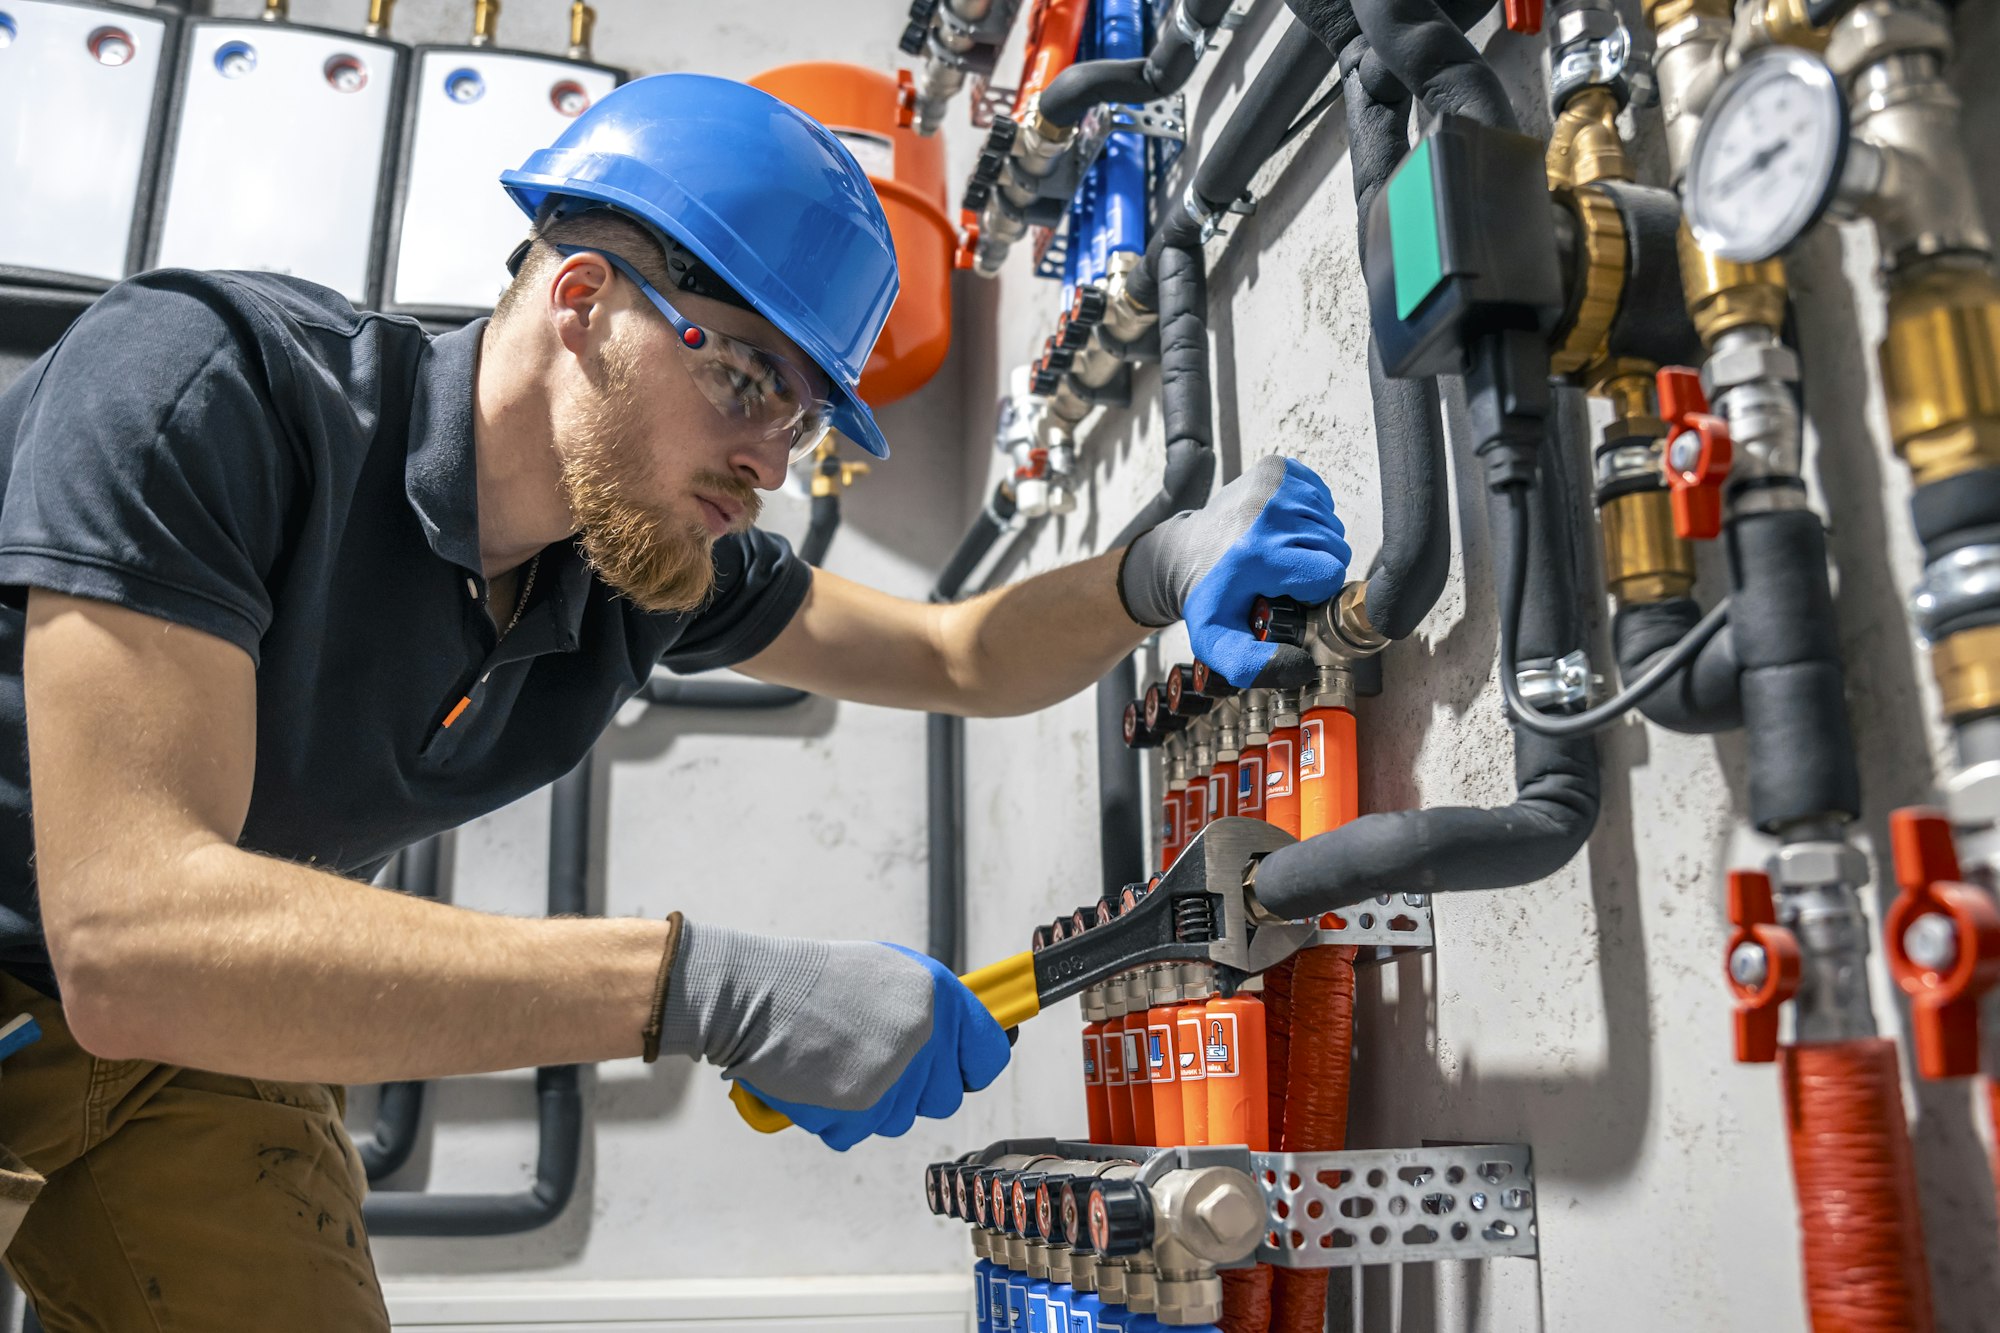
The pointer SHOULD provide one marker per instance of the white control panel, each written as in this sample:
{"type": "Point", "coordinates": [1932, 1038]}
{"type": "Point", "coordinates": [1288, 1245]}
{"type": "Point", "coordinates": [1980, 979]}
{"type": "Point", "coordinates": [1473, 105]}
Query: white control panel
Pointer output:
{"type": "Point", "coordinates": [275, 159]}
{"type": "Point", "coordinates": [476, 114]}
{"type": "Point", "coordinates": [78, 86]}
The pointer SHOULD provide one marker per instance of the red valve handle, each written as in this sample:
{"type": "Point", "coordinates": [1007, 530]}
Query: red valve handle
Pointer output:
{"type": "Point", "coordinates": [968, 239]}
{"type": "Point", "coordinates": [1944, 993]}
{"type": "Point", "coordinates": [1756, 920]}
{"type": "Point", "coordinates": [906, 99]}
{"type": "Point", "coordinates": [1524, 16]}
{"type": "Point", "coordinates": [1696, 484]}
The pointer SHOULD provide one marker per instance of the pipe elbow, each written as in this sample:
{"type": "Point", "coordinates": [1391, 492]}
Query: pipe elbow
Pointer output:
{"type": "Point", "coordinates": [1703, 698]}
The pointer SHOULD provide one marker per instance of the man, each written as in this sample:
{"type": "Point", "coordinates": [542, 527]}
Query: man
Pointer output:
{"type": "Point", "coordinates": [290, 587]}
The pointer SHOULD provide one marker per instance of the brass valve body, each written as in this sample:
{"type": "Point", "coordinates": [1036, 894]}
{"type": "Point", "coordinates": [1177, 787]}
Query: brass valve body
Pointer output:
{"type": "Point", "coordinates": [1644, 561]}
{"type": "Point", "coordinates": [1723, 294]}
{"type": "Point", "coordinates": [1585, 146]}
{"type": "Point", "coordinates": [1940, 364]}
{"type": "Point", "coordinates": [1967, 666]}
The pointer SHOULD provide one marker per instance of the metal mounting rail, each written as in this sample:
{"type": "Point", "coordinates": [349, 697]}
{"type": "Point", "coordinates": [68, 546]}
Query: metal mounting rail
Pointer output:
{"type": "Point", "coordinates": [1384, 926]}
{"type": "Point", "coordinates": [1361, 1207]}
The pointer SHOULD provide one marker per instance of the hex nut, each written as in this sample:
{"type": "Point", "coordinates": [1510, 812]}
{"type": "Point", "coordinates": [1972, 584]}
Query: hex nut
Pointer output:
{"type": "Point", "coordinates": [1810, 864]}
{"type": "Point", "coordinates": [1733, 366]}
{"type": "Point", "coordinates": [1582, 25]}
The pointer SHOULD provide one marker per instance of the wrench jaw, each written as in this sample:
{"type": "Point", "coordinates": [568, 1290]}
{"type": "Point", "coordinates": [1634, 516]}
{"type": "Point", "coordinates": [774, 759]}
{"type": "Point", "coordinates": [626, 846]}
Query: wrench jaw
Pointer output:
{"type": "Point", "coordinates": [1198, 912]}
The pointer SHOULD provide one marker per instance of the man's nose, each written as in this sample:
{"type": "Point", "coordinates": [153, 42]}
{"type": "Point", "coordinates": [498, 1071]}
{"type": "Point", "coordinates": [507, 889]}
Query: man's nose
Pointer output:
{"type": "Point", "coordinates": [762, 463]}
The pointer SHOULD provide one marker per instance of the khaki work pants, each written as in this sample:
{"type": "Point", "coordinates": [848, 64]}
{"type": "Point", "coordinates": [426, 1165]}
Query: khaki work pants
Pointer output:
{"type": "Point", "coordinates": [180, 1201]}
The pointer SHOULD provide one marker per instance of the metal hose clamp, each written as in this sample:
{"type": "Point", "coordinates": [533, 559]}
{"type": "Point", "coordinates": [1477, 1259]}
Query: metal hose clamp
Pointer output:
{"type": "Point", "coordinates": [1191, 32]}
{"type": "Point", "coordinates": [1956, 584]}
{"type": "Point", "coordinates": [1206, 218]}
{"type": "Point", "coordinates": [1561, 686]}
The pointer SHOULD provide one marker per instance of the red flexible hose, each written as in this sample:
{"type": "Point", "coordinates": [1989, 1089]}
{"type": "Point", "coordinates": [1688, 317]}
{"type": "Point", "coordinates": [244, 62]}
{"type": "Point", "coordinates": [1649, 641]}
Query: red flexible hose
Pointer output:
{"type": "Point", "coordinates": [1277, 1040]}
{"type": "Point", "coordinates": [1320, 1052]}
{"type": "Point", "coordinates": [1246, 1299]}
{"type": "Point", "coordinates": [1858, 1213]}
{"type": "Point", "coordinates": [1993, 1104]}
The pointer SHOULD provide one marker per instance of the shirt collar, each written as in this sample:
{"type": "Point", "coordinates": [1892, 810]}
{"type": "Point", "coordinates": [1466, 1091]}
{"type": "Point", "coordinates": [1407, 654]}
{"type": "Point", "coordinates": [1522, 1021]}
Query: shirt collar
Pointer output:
{"type": "Point", "coordinates": [441, 476]}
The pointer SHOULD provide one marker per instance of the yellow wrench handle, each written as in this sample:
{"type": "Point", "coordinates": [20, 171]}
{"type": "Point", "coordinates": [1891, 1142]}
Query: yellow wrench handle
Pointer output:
{"type": "Point", "coordinates": [1006, 988]}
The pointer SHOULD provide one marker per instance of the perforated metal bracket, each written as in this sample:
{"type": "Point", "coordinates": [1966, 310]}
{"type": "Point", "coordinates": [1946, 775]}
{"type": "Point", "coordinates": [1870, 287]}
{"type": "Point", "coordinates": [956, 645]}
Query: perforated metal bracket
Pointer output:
{"type": "Point", "coordinates": [1398, 1205]}
{"type": "Point", "coordinates": [1383, 926]}
{"type": "Point", "coordinates": [1164, 119]}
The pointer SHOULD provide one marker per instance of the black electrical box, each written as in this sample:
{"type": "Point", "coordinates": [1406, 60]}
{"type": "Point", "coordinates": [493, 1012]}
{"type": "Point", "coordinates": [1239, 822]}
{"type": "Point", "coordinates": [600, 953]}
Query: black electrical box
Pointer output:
{"type": "Point", "coordinates": [1461, 244]}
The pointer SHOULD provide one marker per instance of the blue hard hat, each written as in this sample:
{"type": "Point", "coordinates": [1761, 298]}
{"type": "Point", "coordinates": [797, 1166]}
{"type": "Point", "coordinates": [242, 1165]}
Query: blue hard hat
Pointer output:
{"type": "Point", "coordinates": [761, 192]}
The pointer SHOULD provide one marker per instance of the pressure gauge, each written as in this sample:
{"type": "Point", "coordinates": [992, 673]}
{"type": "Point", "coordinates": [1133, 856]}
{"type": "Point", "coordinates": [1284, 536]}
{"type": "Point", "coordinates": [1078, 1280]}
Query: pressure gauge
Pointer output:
{"type": "Point", "coordinates": [1769, 157]}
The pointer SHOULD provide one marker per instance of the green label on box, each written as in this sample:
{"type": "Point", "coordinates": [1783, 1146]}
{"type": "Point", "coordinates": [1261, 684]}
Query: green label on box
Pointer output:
{"type": "Point", "coordinates": [1413, 232]}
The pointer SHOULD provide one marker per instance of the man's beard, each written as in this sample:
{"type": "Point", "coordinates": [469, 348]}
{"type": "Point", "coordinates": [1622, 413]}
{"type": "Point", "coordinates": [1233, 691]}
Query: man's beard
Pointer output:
{"type": "Point", "coordinates": [660, 562]}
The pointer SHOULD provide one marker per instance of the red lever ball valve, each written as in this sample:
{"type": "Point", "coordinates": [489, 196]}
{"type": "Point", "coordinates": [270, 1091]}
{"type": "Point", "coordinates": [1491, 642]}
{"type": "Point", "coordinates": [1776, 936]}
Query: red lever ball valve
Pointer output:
{"type": "Point", "coordinates": [1762, 963]}
{"type": "Point", "coordinates": [1699, 453]}
{"type": "Point", "coordinates": [1943, 943]}
{"type": "Point", "coordinates": [1524, 16]}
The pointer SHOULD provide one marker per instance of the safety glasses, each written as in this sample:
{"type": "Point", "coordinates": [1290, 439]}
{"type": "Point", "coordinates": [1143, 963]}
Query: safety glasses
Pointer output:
{"type": "Point", "coordinates": [759, 394]}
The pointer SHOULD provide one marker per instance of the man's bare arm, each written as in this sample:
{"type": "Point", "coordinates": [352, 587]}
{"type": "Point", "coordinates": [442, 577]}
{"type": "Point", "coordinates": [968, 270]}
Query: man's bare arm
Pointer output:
{"type": "Point", "coordinates": [172, 944]}
{"type": "Point", "coordinates": [1009, 651]}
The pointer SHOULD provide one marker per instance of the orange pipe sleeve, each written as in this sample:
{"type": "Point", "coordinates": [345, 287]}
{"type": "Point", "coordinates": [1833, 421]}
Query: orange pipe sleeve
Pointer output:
{"type": "Point", "coordinates": [1281, 779]}
{"type": "Point", "coordinates": [1858, 1213]}
{"type": "Point", "coordinates": [1993, 1105]}
{"type": "Point", "coordinates": [1329, 771]}
{"type": "Point", "coordinates": [1315, 1104]}
{"type": "Point", "coordinates": [1138, 1079]}
{"type": "Point", "coordinates": [1278, 1011]}
{"type": "Point", "coordinates": [1222, 789]}
{"type": "Point", "coordinates": [1054, 28]}
{"type": "Point", "coordinates": [1163, 1076]}
{"type": "Point", "coordinates": [1193, 1080]}
{"type": "Point", "coordinates": [1239, 1109]}
{"type": "Point", "coordinates": [1246, 1299]}
{"type": "Point", "coordinates": [1250, 783]}
{"type": "Point", "coordinates": [1097, 1102]}
{"type": "Point", "coordinates": [1117, 1098]}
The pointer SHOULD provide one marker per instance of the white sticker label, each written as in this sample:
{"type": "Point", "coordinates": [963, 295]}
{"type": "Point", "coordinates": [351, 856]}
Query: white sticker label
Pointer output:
{"type": "Point", "coordinates": [875, 152]}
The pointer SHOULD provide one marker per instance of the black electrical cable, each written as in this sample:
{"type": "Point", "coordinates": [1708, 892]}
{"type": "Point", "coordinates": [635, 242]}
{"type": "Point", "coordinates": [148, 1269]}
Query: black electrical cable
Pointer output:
{"type": "Point", "coordinates": [1602, 715]}
{"type": "Point", "coordinates": [1308, 116]}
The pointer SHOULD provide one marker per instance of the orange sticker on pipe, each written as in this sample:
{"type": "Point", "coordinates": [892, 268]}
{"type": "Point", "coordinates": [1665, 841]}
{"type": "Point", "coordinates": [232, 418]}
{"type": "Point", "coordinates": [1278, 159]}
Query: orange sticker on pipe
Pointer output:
{"type": "Point", "coordinates": [1191, 1071]}
{"type": "Point", "coordinates": [1169, 1120]}
{"type": "Point", "coordinates": [1250, 783]}
{"type": "Point", "coordinates": [1281, 780]}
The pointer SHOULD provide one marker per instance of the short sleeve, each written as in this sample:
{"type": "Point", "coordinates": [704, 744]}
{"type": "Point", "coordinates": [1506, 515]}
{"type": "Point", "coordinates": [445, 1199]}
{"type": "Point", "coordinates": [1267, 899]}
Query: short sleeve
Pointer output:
{"type": "Point", "coordinates": [759, 584]}
{"type": "Point", "coordinates": [147, 466]}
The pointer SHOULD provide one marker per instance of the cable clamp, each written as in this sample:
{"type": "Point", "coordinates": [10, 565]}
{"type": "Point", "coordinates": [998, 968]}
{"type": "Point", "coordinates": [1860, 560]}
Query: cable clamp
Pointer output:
{"type": "Point", "coordinates": [1191, 32]}
{"type": "Point", "coordinates": [1208, 219]}
{"type": "Point", "coordinates": [1562, 686]}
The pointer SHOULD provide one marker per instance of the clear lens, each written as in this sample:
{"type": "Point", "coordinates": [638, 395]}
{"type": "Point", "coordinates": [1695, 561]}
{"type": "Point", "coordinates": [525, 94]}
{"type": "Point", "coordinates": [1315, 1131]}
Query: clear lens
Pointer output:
{"type": "Point", "coordinates": [759, 393]}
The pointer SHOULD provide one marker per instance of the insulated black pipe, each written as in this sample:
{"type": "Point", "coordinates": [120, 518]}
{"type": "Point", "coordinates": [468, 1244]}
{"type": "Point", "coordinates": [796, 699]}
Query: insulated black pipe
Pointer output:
{"type": "Point", "coordinates": [944, 744]}
{"type": "Point", "coordinates": [559, 1101]}
{"type": "Point", "coordinates": [1164, 70]}
{"type": "Point", "coordinates": [1448, 849]}
{"type": "Point", "coordinates": [1121, 820]}
{"type": "Point", "coordinates": [1410, 570]}
{"type": "Point", "coordinates": [987, 526]}
{"type": "Point", "coordinates": [1700, 699]}
{"type": "Point", "coordinates": [1184, 391]}
{"type": "Point", "coordinates": [399, 1109]}
{"type": "Point", "coordinates": [670, 691]}
{"type": "Point", "coordinates": [1422, 45]}
{"type": "Point", "coordinates": [1801, 759]}
{"type": "Point", "coordinates": [824, 523]}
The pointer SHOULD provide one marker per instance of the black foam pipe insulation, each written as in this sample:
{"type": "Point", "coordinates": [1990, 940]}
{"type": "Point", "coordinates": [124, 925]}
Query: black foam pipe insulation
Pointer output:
{"type": "Point", "coordinates": [1422, 44]}
{"type": "Point", "coordinates": [558, 1096]}
{"type": "Point", "coordinates": [1164, 70]}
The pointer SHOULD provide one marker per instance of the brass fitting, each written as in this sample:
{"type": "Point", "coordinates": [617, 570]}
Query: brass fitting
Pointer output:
{"type": "Point", "coordinates": [582, 19]}
{"type": "Point", "coordinates": [1644, 561]}
{"type": "Point", "coordinates": [1723, 294]}
{"type": "Point", "coordinates": [1203, 1218]}
{"type": "Point", "coordinates": [378, 18]}
{"type": "Point", "coordinates": [1940, 364]}
{"type": "Point", "coordinates": [485, 17]}
{"type": "Point", "coordinates": [1776, 23]}
{"type": "Point", "coordinates": [1584, 145]}
{"type": "Point", "coordinates": [1601, 232]}
{"type": "Point", "coordinates": [276, 11]}
{"type": "Point", "coordinates": [833, 480]}
{"type": "Point", "coordinates": [1967, 666]}
{"type": "Point", "coordinates": [1690, 37]}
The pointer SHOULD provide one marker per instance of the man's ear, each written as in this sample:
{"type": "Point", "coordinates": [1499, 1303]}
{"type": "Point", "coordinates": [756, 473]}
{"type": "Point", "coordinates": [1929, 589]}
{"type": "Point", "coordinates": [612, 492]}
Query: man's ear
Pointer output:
{"type": "Point", "coordinates": [577, 299]}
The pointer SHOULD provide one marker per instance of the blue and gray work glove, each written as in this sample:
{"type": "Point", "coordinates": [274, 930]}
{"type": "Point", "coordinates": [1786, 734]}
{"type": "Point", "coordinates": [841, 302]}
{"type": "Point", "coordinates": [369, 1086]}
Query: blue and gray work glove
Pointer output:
{"type": "Point", "coordinates": [849, 1039]}
{"type": "Point", "coordinates": [1270, 533]}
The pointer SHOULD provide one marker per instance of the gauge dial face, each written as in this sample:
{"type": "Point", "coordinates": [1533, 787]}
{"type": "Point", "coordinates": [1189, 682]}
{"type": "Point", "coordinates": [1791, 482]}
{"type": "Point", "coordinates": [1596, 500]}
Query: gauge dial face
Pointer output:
{"type": "Point", "coordinates": [1769, 156]}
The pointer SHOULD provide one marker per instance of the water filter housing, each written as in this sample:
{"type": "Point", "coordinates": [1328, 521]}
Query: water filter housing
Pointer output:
{"type": "Point", "coordinates": [277, 152]}
{"type": "Point", "coordinates": [82, 97]}
{"type": "Point", "coordinates": [472, 113]}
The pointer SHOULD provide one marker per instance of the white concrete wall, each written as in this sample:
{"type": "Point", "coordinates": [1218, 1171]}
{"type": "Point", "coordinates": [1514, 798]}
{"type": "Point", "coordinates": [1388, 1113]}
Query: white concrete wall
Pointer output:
{"type": "Point", "coordinates": [1585, 1015]}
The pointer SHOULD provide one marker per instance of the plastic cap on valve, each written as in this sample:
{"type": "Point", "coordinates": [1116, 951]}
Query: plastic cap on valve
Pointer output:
{"type": "Point", "coordinates": [1184, 697]}
{"type": "Point", "coordinates": [1278, 620]}
{"type": "Point", "coordinates": [1048, 1208]}
{"type": "Point", "coordinates": [936, 1194]}
{"type": "Point", "coordinates": [1160, 715]}
{"type": "Point", "coordinates": [1137, 734]}
{"type": "Point", "coordinates": [1073, 1198]}
{"type": "Point", "coordinates": [1211, 684]}
{"type": "Point", "coordinates": [1121, 1217]}
{"type": "Point", "coordinates": [980, 1188]}
{"type": "Point", "coordinates": [1021, 1204]}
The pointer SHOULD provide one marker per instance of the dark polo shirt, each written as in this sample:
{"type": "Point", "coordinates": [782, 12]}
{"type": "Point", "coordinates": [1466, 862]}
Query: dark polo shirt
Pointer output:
{"type": "Point", "coordinates": [249, 456]}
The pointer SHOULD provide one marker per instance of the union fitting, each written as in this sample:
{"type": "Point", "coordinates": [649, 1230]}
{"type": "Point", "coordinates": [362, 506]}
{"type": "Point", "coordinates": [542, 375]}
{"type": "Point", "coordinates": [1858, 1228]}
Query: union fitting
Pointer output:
{"type": "Point", "coordinates": [1816, 881]}
{"type": "Point", "coordinates": [1257, 716]}
{"type": "Point", "coordinates": [1125, 319]}
{"type": "Point", "coordinates": [1689, 39]}
{"type": "Point", "coordinates": [1203, 1220]}
{"type": "Point", "coordinates": [1939, 373]}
